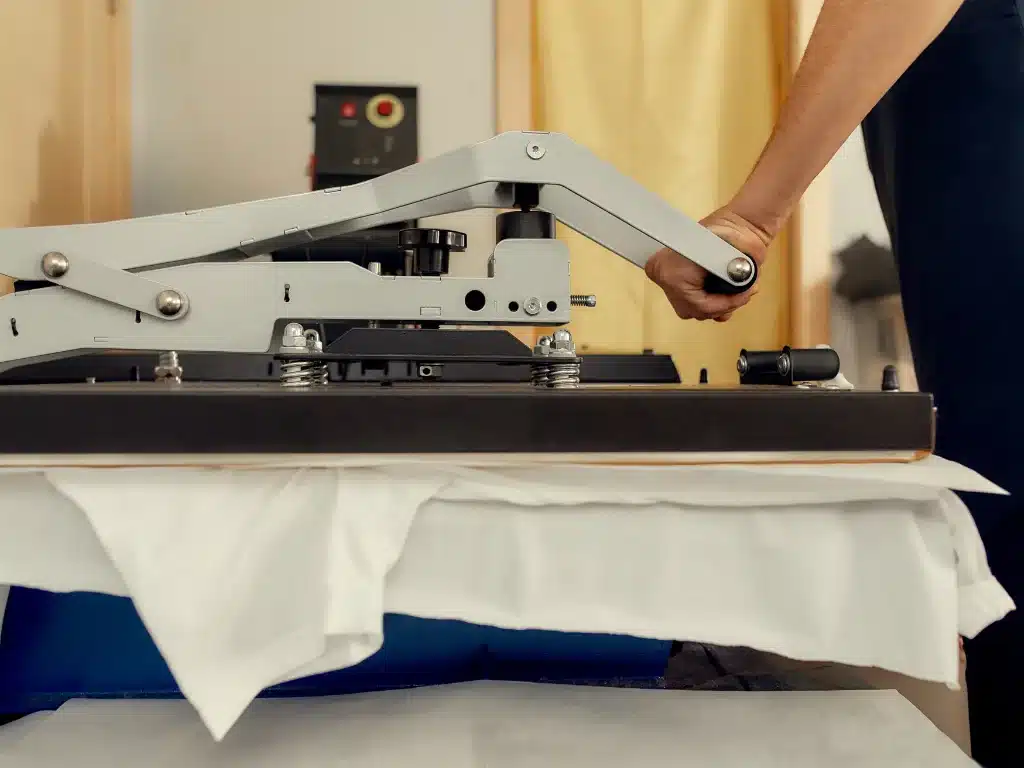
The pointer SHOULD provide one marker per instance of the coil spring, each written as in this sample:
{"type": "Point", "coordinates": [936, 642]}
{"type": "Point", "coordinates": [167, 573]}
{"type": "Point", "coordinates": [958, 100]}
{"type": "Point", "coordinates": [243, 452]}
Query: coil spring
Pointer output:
{"type": "Point", "coordinates": [303, 373]}
{"type": "Point", "coordinates": [578, 300]}
{"type": "Point", "coordinates": [564, 375]}
{"type": "Point", "coordinates": [540, 374]}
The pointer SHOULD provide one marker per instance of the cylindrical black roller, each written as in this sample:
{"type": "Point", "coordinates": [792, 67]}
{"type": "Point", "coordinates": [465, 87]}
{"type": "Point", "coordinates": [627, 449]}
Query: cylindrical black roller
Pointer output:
{"type": "Point", "coordinates": [431, 248]}
{"type": "Point", "coordinates": [532, 225]}
{"type": "Point", "coordinates": [797, 365]}
{"type": "Point", "coordinates": [759, 367]}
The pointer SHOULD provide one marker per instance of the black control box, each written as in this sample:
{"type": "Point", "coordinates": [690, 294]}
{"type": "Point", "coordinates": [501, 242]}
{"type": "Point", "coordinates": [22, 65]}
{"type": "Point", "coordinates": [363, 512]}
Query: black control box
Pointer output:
{"type": "Point", "coordinates": [362, 131]}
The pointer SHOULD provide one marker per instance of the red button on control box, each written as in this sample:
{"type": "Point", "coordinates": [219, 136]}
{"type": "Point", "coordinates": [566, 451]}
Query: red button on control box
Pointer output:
{"type": "Point", "coordinates": [348, 110]}
{"type": "Point", "coordinates": [385, 108]}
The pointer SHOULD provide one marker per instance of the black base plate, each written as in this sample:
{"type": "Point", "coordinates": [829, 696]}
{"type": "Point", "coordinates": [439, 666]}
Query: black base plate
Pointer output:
{"type": "Point", "coordinates": [242, 368]}
{"type": "Point", "coordinates": [198, 418]}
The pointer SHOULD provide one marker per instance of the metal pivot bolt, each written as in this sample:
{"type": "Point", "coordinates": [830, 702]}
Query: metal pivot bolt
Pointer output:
{"type": "Point", "coordinates": [55, 264]}
{"type": "Point", "coordinates": [532, 306]}
{"type": "Point", "coordinates": [535, 151]}
{"type": "Point", "coordinates": [169, 303]}
{"type": "Point", "coordinates": [739, 270]}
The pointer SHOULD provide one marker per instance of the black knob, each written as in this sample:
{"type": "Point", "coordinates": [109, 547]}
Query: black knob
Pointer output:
{"type": "Point", "coordinates": [890, 379]}
{"type": "Point", "coordinates": [432, 248]}
{"type": "Point", "coordinates": [703, 375]}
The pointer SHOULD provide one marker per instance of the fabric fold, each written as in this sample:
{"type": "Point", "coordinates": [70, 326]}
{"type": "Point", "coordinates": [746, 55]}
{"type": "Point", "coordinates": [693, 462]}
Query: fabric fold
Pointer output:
{"type": "Point", "coordinates": [226, 569]}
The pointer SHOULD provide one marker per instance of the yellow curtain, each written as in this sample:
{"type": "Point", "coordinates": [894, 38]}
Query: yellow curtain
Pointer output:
{"type": "Point", "coordinates": [681, 95]}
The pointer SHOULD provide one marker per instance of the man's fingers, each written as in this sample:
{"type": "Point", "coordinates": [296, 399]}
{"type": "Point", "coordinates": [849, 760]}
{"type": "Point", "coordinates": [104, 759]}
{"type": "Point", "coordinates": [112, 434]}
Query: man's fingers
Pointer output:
{"type": "Point", "coordinates": [716, 305]}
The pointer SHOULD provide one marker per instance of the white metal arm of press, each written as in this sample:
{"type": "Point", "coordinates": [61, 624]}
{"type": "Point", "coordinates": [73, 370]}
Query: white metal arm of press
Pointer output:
{"type": "Point", "coordinates": [188, 269]}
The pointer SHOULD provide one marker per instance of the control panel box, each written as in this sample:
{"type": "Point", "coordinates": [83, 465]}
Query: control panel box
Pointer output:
{"type": "Point", "coordinates": [362, 131]}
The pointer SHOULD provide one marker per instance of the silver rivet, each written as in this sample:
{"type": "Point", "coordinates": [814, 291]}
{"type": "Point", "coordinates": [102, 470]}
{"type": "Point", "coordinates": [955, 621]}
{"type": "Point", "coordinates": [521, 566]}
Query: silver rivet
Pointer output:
{"type": "Point", "coordinates": [169, 303]}
{"type": "Point", "coordinates": [739, 270]}
{"type": "Point", "coordinates": [535, 150]}
{"type": "Point", "coordinates": [55, 264]}
{"type": "Point", "coordinates": [532, 306]}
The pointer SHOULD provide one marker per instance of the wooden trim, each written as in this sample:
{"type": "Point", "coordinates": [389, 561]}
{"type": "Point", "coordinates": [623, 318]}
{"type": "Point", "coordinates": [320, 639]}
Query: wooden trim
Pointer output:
{"type": "Point", "coordinates": [106, 108]}
{"type": "Point", "coordinates": [514, 43]}
{"type": "Point", "coordinates": [122, 75]}
{"type": "Point", "coordinates": [810, 239]}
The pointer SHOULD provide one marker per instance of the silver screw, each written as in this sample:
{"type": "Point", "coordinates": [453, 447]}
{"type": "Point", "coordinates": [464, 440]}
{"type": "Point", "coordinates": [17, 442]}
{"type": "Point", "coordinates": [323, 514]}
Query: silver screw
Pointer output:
{"type": "Point", "coordinates": [169, 368]}
{"type": "Point", "coordinates": [577, 300]}
{"type": "Point", "coordinates": [535, 151]}
{"type": "Point", "coordinates": [532, 306]}
{"type": "Point", "coordinates": [374, 267]}
{"type": "Point", "coordinates": [739, 270]}
{"type": "Point", "coordinates": [55, 264]}
{"type": "Point", "coordinates": [169, 303]}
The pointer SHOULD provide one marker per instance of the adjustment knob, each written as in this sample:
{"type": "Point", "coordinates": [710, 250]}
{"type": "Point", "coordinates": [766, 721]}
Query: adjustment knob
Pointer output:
{"type": "Point", "coordinates": [890, 379]}
{"type": "Point", "coordinates": [432, 249]}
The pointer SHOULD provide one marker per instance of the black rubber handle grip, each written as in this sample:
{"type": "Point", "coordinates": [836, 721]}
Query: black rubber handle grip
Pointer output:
{"type": "Point", "coordinates": [787, 366]}
{"type": "Point", "coordinates": [809, 364]}
{"type": "Point", "coordinates": [715, 285]}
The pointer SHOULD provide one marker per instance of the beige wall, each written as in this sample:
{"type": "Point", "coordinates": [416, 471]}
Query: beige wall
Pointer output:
{"type": "Point", "coordinates": [223, 89]}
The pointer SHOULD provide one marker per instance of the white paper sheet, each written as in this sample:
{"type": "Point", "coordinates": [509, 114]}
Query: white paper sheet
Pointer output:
{"type": "Point", "coordinates": [250, 577]}
{"type": "Point", "coordinates": [505, 725]}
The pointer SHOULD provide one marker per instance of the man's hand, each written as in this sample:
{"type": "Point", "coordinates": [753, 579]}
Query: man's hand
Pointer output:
{"type": "Point", "coordinates": [683, 281]}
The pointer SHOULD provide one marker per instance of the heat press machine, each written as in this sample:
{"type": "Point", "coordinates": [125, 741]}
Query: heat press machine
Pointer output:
{"type": "Point", "coordinates": [131, 312]}
{"type": "Point", "coordinates": [202, 282]}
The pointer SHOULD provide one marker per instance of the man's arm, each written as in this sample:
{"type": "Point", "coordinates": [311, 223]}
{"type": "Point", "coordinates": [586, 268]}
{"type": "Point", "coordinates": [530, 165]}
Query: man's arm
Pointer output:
{"type": "Point", "coordinates": [857, 50]}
